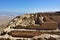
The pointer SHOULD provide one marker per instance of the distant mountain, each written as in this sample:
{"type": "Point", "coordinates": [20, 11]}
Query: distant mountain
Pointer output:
{"type": "Point", "coordinates": [10, 13]}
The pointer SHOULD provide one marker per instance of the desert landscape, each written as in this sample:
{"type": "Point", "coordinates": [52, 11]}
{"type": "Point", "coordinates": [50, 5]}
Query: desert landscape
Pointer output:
{"type": "Point", "coordinates": [33, 26]}
{"type": "Point", "coordinates": [29, 19]}
{"type": "Point", "coordinates": [4, 20]}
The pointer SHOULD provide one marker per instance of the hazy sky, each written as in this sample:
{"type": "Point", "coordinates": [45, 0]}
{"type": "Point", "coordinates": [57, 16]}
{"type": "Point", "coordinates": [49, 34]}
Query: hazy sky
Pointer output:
{"type": "Point", "coordinates": [29, 5]}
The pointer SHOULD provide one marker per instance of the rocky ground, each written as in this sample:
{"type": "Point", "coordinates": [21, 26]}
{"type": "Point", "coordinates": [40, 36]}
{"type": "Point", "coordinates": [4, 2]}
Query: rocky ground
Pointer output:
{"type": "Point", "coordinates": [28, 27]}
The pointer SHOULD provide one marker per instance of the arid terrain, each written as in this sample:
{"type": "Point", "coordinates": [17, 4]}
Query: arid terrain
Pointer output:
{"type": "Point", "coordinates": [34, 26]}
{"type": "Point", "coordinates": [4, 20]}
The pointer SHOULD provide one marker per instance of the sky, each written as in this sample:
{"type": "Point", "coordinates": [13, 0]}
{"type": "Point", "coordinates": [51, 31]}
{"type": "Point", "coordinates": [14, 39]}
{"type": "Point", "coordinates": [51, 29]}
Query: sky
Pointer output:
{"type": "Point", "coordinates": [28, 6]}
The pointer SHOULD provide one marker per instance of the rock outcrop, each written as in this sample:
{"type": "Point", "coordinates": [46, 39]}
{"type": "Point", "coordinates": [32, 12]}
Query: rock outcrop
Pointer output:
{"type": "Point", "coordinates": [37, 26]}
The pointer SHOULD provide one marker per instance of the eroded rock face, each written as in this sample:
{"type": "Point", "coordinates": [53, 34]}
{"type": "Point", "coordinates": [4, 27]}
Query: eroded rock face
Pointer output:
{"type": "Point", "coordinates": [34, 26]}
{"type": "Point", "coordinates": [40, 20]}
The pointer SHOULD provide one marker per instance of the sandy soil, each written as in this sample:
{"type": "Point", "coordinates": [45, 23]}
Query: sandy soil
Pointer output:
{"type": "Point", "coordinates": [4, 20]}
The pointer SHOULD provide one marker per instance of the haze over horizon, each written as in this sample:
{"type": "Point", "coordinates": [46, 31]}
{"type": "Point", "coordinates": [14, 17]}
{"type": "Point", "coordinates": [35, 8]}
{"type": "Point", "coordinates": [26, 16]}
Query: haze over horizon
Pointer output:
{"type": "Point", "coordinates": [17, 7]}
